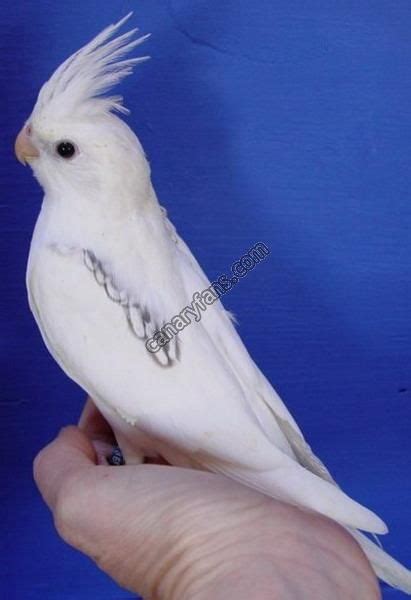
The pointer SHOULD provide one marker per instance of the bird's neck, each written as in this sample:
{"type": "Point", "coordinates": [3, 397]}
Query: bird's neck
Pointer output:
{"type": "Point", "coordinates": [70, 221]}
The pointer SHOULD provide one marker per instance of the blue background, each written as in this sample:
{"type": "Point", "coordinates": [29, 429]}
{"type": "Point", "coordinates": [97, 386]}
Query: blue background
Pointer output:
{"type": "Point", "coordinates": [282, 122]}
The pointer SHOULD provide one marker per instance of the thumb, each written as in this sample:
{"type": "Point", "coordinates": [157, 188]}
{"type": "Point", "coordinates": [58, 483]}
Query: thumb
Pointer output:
{"type": "Point", "coordinates": [120, 517]}
{"type": "Point", "coordinates": [63, 458]}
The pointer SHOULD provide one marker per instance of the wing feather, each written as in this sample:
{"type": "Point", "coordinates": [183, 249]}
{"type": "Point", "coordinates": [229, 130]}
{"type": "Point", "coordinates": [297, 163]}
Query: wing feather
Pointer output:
{"type": "Point", "coordinates": [267, 405]}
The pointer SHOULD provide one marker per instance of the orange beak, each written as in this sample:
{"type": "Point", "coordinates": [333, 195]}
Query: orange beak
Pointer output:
{"type": "Point", "coordinates": [24, 148]}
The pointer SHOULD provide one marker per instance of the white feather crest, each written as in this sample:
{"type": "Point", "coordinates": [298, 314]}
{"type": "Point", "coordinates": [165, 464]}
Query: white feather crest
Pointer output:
{"type": "Point", "coordinates": [78, 83]}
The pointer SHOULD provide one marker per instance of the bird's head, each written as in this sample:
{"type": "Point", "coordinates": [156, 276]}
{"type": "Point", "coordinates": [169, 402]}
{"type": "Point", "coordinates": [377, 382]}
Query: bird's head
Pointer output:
{"type": "Point", "coordinates": [73, 139]}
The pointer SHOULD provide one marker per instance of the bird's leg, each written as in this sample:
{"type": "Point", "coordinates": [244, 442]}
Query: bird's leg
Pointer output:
{"type": "Point", "coordinates": [131, 454]}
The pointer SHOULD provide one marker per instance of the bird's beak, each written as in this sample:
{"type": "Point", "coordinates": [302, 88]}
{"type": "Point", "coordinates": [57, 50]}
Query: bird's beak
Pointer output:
{"type": "Point", "coordinates": [24, 148]}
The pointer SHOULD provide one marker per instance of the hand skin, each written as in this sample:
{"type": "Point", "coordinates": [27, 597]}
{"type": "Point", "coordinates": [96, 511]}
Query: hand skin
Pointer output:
{"type": "Point", "coordinates": [169, 533]}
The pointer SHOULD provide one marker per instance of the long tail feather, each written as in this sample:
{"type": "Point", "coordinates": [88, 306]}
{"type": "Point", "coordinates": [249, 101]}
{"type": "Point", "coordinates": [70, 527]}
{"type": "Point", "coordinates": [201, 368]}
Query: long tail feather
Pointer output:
{"type": "Point", "coordinates": [385, 566]}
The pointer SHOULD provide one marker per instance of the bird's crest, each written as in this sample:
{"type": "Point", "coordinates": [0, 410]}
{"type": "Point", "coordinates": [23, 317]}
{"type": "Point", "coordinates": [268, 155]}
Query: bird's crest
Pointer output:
{"type": "Point", "coordinates": [79, 83]}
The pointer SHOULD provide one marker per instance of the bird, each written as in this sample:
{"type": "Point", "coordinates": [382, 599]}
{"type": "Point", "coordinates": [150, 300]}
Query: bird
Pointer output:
{"type": "Point", "coordinates": [107, 272]}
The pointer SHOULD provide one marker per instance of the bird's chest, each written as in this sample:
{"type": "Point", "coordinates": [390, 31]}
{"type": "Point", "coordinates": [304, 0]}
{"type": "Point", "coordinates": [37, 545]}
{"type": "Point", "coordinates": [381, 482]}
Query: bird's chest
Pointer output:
{"type": "Point", "coordinates": [62, 296]}
{"type": "Point", "coordinates": [76, 322]}
{"type": "Point", "coordinates": [89, 338]}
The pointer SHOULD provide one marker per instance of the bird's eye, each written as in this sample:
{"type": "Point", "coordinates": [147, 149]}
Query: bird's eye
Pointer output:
{"type": "Point", "coordinates": [66, 149]}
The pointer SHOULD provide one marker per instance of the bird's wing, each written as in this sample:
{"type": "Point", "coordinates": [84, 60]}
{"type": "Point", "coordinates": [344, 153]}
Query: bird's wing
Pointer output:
{"type": "Point", "coordinates": [264, 400]}
{"type": "Point", "coordinates": [211, 404]}
{"type": "Point", "coordinates": [299, 478]}
{"type": "Point", "coordinates": [144, 318]}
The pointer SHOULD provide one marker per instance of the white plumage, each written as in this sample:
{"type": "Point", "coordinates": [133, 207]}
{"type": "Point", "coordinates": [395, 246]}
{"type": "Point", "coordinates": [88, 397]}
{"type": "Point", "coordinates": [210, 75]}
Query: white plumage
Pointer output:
{"type": "Point", "coordinates": [106, 271]}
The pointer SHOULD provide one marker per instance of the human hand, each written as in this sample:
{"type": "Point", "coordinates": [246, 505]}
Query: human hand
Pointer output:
{"type": "Point", "coordinates": [172, 533]}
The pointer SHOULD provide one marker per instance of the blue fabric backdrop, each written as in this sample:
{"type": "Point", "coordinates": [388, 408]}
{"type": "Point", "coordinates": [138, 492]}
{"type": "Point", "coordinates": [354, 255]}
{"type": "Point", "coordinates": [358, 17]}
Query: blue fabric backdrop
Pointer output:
{"type": "Point", "coordinates": [287, 123]}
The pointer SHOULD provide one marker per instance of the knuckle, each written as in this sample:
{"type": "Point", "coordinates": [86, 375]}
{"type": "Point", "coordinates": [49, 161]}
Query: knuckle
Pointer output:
{"type": "Point", "coordinates": [68, 509]}
{"type": "Point", "coordinates": [39, 464]}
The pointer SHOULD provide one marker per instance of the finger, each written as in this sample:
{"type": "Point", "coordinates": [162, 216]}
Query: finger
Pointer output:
{"type": "Point", "coordinates": [94, 424]}
{"type": "Point", "coordinates": [98, 430]}
{"type": "Point", "coordinates": [70, 452]}
{"type": "Point", "coordinates": [159, 460]}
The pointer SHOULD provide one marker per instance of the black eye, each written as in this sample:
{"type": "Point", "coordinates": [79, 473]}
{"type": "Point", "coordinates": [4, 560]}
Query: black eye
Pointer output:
{"type": "Point", "coordinates": [66, 149]}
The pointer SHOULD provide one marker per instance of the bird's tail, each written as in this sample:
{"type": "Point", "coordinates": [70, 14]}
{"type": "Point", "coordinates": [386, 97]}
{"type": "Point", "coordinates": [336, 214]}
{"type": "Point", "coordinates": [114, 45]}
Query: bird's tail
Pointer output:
{"type": "Point", "coordinates": [386, 568]}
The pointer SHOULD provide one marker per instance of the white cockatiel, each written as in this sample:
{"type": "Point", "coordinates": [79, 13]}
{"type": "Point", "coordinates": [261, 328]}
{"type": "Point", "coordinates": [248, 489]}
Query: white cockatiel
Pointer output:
{"type": "Point", "coordinates": [107, 270]}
